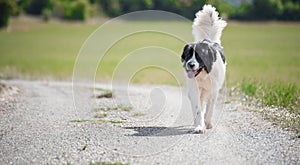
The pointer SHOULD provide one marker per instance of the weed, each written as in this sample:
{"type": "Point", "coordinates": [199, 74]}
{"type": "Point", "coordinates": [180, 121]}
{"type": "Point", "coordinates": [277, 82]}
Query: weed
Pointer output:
{"type": "Point", "coordinates": [115, 121]}
{"type": "Point", "coordinates": [281, 99]}
{"type": "Point", "coordinates": [98, 121]}
{"type": "Point", "coordinates": [99, 89]}
{"type": "Point", "coordinates": [249, 88]}
{"type": "Point", "coordinates": [227, 102]}
{"type": "Point", "coordinates": [283, 95]}
{"type": "Point", "coordinates": [298, 134]}
{"type": "Point", "coordinates": [118, 107]}
{"type": "Point", "coordinates": [106, 109]}
{"type": "Point", "coordinates": [275, 94]}
{"type": "Point", "coordinates": [138, 114]}
{"type": "Point", "coordinates": [104, 163]}
{"type": "Point", "coordinates": [124, 107]}
{"type": "Point", "coordinates": [89, 121]}
{"type": "Point", "coordinates": [102, 115]}
{"type": "Point", "coordinates": [79, 121]}
{"type": "Point", "coordinates": [105, 94]}
{"type": "Point", "coordinates": [103, 109]}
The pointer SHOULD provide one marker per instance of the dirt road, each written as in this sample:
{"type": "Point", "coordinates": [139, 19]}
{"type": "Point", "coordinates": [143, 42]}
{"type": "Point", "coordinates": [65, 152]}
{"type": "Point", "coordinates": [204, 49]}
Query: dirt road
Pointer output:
{"type": "Point", "coordinates": [139, 125]}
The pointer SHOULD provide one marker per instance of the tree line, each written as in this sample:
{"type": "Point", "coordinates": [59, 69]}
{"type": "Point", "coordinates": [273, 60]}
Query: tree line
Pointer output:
{"type": "Point", "coordinates": [83, 9]}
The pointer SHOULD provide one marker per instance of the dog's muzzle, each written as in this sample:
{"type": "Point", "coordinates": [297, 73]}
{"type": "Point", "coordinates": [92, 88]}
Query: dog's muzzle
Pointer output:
{"type": "Point", "coordinates": [191, 65]}
{"type": "Point", "coordinates": [193, 73]}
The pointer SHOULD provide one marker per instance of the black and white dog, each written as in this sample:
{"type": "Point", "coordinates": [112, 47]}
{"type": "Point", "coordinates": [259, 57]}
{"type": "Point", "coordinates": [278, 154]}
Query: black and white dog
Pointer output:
{"type": "Point", "coordinates": [205, 65]}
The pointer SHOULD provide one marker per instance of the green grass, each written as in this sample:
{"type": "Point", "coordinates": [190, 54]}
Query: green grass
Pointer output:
{"type": "Point", "coordinates": [266, 52]}
{"type": "Point", "coordinates": [263, 51]}
{"type": "Point", "coordinates": [115, 121]}
{"type": "Point", "coordinates": [104, 93]}
{"type": "Point", "coordinates": [116, 108]}
{"type": "Point", "coordinates": [107, 94]}
{"type": "Point", "coordinates": [275, 94]}
{"type": "Point", "coordinates": [284, 96]}
{"type": "Point", "coordinates": [79, 121]}
{"type": "Point", "coordinates": [40, 50]}
{"type": "Point", "coordinates": [124, 107]}
{"type": "Point", "coordinates": [97, 121]}
{"type": "Point", "coordinates": [249, 88]}
{"type": "Point", "coordinates": [89, 121]}
{"type": "Point", "coordinates": [105, 163]}
{"type": "Point", "coordinates": [138, 114]}
{"type": "Point", "coordinates": [102, 115]}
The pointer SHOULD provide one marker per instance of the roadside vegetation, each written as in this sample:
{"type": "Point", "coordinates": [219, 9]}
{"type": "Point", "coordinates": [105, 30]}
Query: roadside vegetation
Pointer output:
{"type": "Point", "coordinates": [280, 102]}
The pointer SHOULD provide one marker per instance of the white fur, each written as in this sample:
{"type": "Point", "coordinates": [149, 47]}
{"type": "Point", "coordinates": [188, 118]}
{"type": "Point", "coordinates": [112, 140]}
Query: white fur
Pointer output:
{"type": "Point", "coordinates": [208, 25]}
{"type": "Point", "coordinates": [203, 90]}
{"type": "Point", "coordinates": [193, 60]}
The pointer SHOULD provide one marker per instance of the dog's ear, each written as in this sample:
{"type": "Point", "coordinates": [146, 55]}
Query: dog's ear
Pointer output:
{"type": "Point", "coordinates": [185, 53]}
{"type": "Point", "coordinates": [219, 49]}
{"type": "Point", "coordinates": [207, 54]}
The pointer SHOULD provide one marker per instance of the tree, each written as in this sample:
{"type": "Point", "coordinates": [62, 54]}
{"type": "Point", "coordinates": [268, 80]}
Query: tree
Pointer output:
{"type": "Point", "coordinates": [267, 9]}
{"type": "Point", "coordinates": [35, 7]}
{"type": "Point", "coordinates": [7, 8]}
{"type": "Point", "coordinates": [72, 9]}
{"type": "Point", "coordinates": [291, 10]}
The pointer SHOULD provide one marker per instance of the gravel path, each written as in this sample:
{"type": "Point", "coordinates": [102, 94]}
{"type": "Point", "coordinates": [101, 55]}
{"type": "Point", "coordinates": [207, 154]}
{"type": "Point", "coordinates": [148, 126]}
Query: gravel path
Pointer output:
{"type": "Point", "coordinates": [40, 125]}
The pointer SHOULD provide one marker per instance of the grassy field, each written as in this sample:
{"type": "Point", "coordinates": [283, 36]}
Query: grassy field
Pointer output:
{"type": "Point", "coordinates": [264, 52]}
{"type": "Point", "coordinates": [34, 50]}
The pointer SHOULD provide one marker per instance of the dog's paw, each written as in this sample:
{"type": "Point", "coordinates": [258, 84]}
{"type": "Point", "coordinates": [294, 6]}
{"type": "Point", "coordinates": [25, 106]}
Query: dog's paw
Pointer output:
{"type": "Point", "coordinates": [208, 125]}
{"type": "Point", "coordinates": [199, 129]}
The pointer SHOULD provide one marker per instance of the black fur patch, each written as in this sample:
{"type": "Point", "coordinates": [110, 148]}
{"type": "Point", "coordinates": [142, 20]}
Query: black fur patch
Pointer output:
{"type": "Point", "coordinates": [205, 53]}
{"type": "Point", "coordinates": [217, 47]}
{"type": "Point", "coordinates": [187, 52]}
{"type": "Point", "coordinates": [220, 50]}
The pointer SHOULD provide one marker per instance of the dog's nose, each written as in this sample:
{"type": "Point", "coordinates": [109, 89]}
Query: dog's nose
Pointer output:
{"type": "Point", "coordinates": [191, 64]}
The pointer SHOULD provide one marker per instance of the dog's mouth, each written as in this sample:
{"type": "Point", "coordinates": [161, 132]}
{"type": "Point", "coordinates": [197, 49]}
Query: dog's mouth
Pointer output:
{"type": "Point", "coordinates": [193, 73]}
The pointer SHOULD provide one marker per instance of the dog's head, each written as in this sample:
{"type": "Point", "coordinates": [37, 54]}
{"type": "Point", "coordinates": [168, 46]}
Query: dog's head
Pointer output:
{"type": "Point", "coordinates": [198, 56]}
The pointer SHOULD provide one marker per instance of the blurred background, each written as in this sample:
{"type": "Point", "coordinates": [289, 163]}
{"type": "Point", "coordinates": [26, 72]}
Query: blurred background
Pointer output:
{"type": "Point", "coordinates": [40, 39]}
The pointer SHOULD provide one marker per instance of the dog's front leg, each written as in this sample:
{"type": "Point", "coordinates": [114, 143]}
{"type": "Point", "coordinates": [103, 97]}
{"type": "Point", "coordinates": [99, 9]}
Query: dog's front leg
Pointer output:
{"type": "Point", "coordinates": [195, 104]}
{"type": "Point", "coordinates": [210, 108]}
{"type": "Point", "coordinates": [198, 105]}
{"type": "Point", "coordinates": [200, 111]}
{"type": "Point", "coordinates": [194, 95]}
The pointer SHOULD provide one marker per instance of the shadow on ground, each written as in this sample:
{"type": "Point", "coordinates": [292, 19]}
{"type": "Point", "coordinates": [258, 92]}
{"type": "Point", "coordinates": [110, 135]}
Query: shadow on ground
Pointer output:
{"type": "Point", "coordinates": [160, 131]}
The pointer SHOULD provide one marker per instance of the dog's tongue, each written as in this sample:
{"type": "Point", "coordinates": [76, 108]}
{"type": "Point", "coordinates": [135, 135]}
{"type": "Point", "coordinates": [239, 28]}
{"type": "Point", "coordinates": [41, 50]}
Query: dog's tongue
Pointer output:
{"type": "Point", "coordinates": [191, 74]}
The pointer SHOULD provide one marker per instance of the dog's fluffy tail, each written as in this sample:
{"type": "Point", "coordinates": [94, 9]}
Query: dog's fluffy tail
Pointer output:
{"type": "Point", "coordinates": [208, 25]}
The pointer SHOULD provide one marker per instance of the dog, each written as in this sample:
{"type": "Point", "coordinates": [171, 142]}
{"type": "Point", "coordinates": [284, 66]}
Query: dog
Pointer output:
{"type": "Point", "coordinates": [205, 66]}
